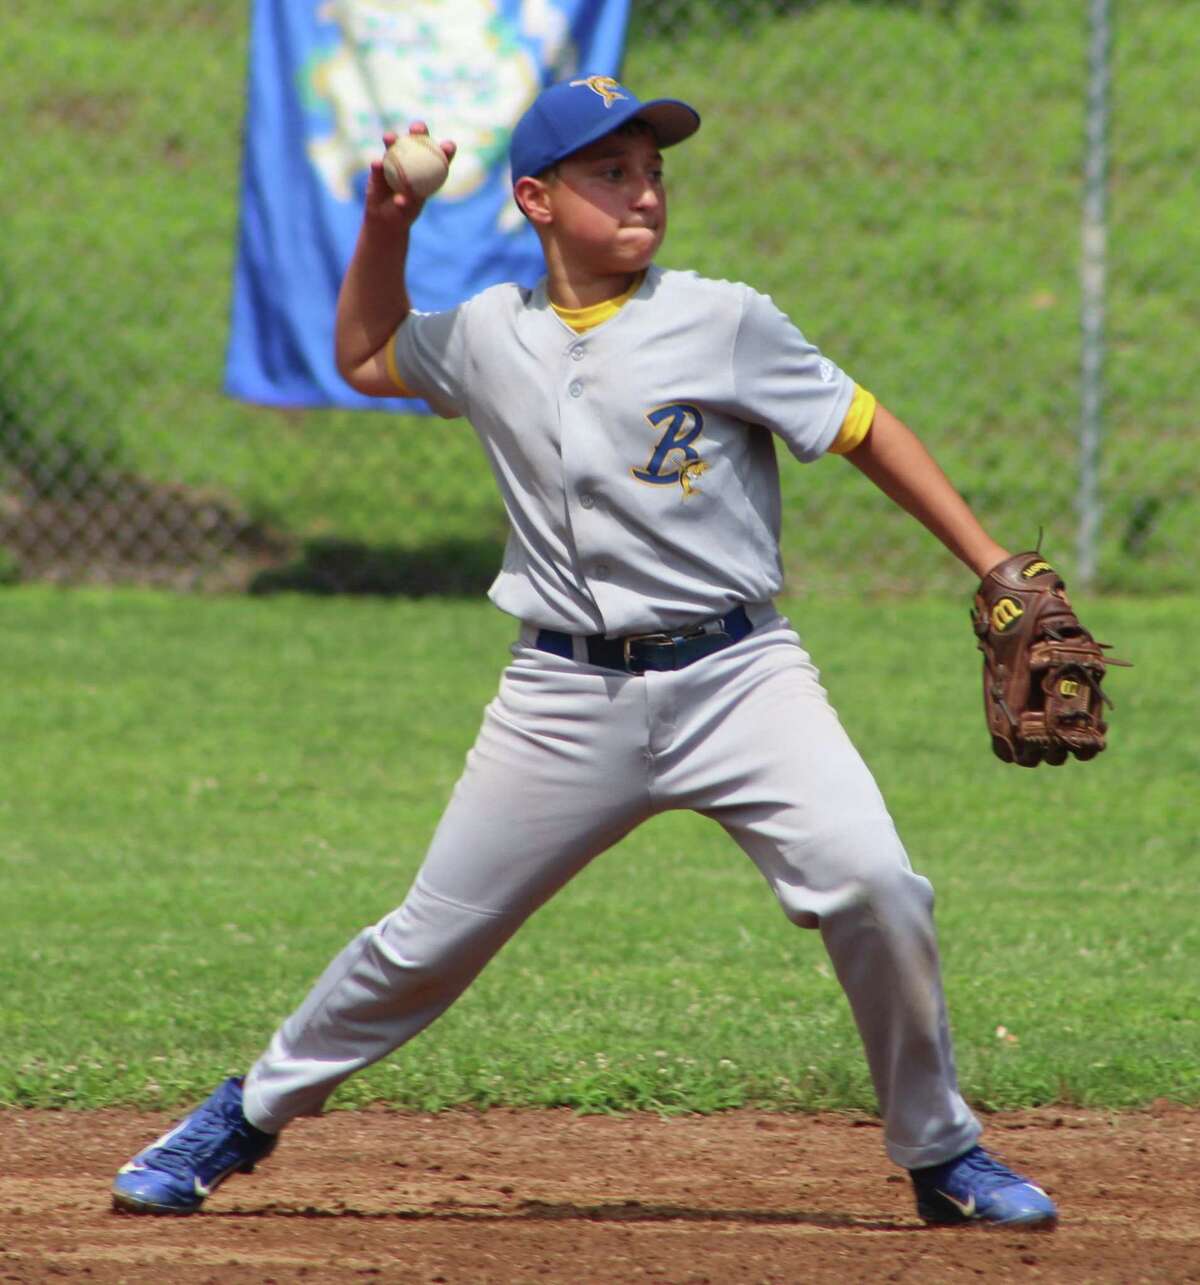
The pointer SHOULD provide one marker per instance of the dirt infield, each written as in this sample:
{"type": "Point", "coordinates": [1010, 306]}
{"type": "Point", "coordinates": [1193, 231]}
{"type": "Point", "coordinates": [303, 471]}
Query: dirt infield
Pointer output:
{"type": "Point", "coordinates": [508, 1196]}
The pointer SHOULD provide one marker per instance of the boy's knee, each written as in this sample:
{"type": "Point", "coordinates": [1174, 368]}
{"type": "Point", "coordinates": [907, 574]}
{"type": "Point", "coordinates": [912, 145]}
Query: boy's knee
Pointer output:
{"type": "Point", "coordinates": [859, 869]}
{"type": "Point", "coordinates": [430, 940]}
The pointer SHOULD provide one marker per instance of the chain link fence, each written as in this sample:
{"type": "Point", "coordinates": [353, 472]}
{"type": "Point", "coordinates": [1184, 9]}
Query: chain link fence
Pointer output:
{"type": "Point", "coordinates": [905, 178]}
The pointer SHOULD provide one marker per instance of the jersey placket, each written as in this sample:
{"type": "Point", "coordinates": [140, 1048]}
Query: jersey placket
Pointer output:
{"type": "Point", "coordinates": [587, 516]}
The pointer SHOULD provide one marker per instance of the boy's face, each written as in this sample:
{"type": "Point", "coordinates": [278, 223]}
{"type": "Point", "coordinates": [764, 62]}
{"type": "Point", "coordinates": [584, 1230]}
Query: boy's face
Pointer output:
{"type": "Point", "coordinates": [608, 205]}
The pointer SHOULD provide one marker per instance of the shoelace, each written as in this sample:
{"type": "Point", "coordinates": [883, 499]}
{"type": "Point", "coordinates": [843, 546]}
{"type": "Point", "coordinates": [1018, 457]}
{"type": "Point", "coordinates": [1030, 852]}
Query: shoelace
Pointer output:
{"type": "Point", "coordinates": [200, 1141]}
{"type": "Point", "coordinates": [990, 1172]}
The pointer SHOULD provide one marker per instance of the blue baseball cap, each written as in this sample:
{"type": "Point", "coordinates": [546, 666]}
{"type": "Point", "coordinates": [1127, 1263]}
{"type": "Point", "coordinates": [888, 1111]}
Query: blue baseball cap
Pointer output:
{"type": "Point", "coordinates": [574, 113]}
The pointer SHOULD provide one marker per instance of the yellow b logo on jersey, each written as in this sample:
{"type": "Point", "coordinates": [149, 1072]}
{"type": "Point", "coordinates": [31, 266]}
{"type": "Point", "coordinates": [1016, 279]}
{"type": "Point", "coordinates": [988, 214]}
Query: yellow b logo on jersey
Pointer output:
{"type": "Point", "coordinates": [605, 86]}
{"type": "Point", "coordinates": [1005, 614]}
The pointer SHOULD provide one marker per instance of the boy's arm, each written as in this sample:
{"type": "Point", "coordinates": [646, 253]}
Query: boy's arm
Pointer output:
{"type": "Point", "coordinates": [894, 459]}
{"type": "Point", "coordinates": [373, 299]}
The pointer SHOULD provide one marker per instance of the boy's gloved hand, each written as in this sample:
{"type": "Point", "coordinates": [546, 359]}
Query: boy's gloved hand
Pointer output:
{"type": "Point", "coordinates": [1042, 671]}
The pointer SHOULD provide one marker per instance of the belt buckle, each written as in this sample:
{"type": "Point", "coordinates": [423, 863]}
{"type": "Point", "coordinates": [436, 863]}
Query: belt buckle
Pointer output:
{"type": "Point", "coordinates": [629, 641]}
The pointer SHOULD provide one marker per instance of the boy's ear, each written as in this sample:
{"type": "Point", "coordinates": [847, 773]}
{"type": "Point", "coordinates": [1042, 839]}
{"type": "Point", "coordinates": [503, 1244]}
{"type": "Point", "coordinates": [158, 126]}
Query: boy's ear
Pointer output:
{"type": "Point", "coordinates": [532, 197]}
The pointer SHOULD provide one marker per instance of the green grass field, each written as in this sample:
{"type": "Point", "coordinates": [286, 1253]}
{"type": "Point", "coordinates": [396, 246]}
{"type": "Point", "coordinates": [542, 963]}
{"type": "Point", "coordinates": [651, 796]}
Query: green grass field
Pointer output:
{"type": "Point", "coordinates": [204, 798]}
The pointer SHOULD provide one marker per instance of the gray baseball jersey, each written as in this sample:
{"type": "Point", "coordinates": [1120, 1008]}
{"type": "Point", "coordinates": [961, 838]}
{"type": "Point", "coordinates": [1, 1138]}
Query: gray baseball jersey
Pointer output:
{"type": "Point", "coordinates": [635, 460]}
{"type": "Point", "coordinates": [637, 465]}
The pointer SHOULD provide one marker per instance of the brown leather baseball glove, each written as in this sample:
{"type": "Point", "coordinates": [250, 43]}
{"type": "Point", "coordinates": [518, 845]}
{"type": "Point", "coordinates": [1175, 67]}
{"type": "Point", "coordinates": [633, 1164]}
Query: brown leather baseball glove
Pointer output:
{"type": "Point", "coordinates": [1042, 671]}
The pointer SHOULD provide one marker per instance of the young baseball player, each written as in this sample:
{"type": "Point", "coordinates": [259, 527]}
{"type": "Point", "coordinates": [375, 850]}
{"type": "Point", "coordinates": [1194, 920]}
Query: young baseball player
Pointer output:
{"type": "Point", "coordinates": [628, 413]}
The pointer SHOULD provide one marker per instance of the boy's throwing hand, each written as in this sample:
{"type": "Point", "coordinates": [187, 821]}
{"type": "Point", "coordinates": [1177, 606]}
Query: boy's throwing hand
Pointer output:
{"type": "Point", "coordinates": [399, 204]}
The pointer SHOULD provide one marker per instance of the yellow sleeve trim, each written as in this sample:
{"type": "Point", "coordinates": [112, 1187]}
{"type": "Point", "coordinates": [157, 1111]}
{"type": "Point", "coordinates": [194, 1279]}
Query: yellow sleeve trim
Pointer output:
{"type": "Point", "coordinates": [857, 423]}
{"type": "Point", "coordinates": [403, 388]}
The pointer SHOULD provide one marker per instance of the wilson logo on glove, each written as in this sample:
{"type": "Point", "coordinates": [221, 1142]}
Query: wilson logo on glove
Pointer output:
{"type": "Point", "coordinates": [1005, 614]}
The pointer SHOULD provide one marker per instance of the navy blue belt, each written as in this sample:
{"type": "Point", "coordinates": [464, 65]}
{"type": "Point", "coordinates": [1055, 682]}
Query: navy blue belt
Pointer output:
{"type": "Point", "coordinates": [639, 652]}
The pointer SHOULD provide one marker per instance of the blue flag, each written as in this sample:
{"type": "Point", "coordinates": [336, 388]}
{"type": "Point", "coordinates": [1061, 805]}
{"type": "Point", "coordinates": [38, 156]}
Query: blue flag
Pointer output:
{"type": "Point", "coordinates": [327, 78]}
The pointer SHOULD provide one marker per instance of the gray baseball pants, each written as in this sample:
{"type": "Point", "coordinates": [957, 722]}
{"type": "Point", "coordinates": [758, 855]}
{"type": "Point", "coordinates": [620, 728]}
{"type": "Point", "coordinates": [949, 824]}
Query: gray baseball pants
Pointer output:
{"type": "Point", "coordinates": [569, 759]}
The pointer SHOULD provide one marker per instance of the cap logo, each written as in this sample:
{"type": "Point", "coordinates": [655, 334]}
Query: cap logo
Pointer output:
{"type": "Point", "coordinates": [605, 86]}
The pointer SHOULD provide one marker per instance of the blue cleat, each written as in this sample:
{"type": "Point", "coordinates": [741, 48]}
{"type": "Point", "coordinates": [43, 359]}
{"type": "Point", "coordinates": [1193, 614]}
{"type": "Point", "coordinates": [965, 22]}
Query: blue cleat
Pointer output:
{"type": "Point", "coordinates": [976, 1187]}
{"type": "Point", "coordinates": [188, 1163]}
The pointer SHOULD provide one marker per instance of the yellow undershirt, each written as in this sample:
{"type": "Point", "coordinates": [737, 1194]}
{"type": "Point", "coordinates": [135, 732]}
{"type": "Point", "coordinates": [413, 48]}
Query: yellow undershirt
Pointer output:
{"type": "Point", "coordinates": [857, 423]}
{"type": "Point", "coordinates": [583, 319]}
{"type": "Point", "coordinates": [855, 426]}
{"type": "Point", "coordinates": [402, 388]}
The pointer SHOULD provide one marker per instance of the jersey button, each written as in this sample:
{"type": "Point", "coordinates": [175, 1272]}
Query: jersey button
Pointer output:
{"type": "Point", "coordinates": [587, 501]}
{"type": "Point", "coordinates": [577, 353]}
{"type": "Point", "coordinates": [576, 389]}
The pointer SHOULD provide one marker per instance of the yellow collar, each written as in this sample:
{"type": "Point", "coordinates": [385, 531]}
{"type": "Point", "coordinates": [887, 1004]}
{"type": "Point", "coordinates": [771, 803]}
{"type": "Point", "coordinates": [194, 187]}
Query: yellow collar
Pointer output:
{"type": "Point", "coordinates": [583, 319]}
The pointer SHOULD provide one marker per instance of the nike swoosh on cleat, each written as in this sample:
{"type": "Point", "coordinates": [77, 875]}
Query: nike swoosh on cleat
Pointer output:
{"type": "Point", "coordinates": [214, 1182]}
{"type": "Point", "coordinates": [964, 1207]}
{"type": "Point", "coordinates": [130, 1167]}
{"type": "Point", "coordinates": [166, 1137]}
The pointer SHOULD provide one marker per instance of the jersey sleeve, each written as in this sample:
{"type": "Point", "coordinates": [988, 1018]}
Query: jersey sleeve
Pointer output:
{"type": "Point", "coordinates": [785, 383]}
{"type": "Point", "coordinates": [401, 387]}
{"type": "Point", "coordinates": [426, 358]}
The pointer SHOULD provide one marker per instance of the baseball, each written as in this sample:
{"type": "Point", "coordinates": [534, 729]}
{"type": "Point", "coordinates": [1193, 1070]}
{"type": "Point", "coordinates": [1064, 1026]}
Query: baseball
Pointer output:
{"type": "Point", "coordinates": [415, 160]}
